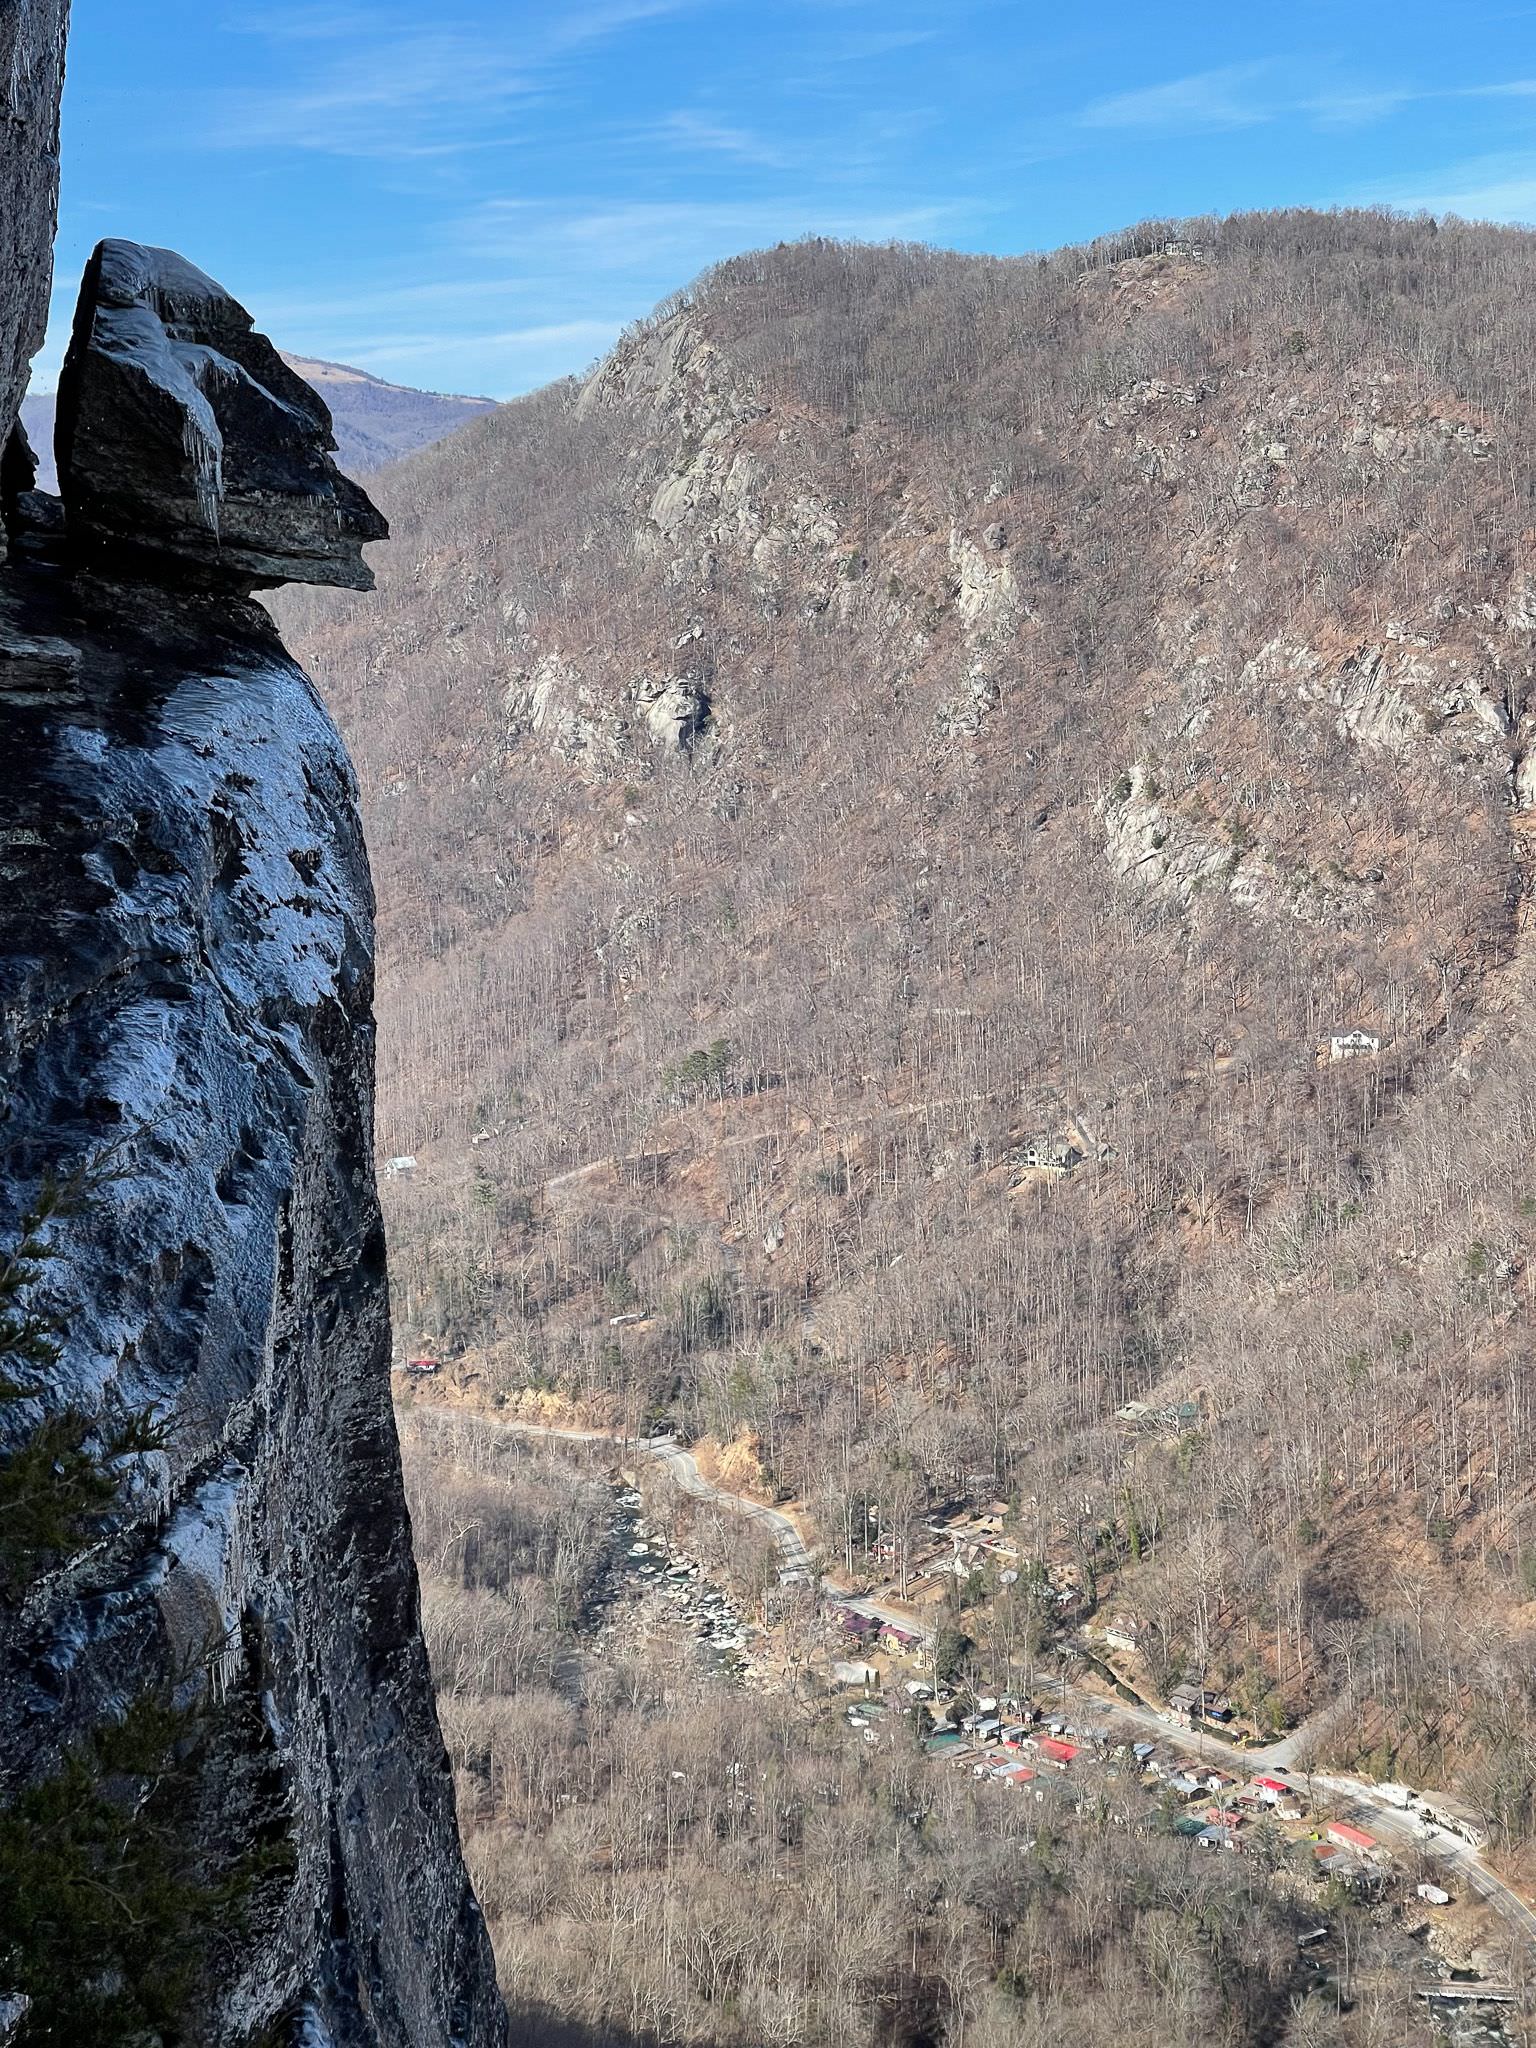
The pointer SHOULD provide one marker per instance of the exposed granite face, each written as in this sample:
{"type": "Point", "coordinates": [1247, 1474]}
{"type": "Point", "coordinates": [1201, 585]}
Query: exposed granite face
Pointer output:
{"type": "Point", "coordinates": [185, 984]}
{"type": "Point", "coordinates": [187, 446]}
{"type": "Point", "coordinates": [186, 952]}
{"type": "Point", "coordinates": [31, 79]}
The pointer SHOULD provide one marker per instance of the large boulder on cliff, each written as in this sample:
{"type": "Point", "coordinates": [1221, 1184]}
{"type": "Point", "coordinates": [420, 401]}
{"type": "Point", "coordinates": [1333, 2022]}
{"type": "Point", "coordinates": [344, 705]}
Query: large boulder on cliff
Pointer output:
{"type": "Point", "coordinates": [187, 447]}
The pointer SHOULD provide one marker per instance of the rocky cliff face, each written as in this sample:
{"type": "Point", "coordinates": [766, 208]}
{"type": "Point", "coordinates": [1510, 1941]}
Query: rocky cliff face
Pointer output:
{"type": "Point", "coordinates": [31, 80]}
{"type": "Point", "coordinates": [186, 1042]}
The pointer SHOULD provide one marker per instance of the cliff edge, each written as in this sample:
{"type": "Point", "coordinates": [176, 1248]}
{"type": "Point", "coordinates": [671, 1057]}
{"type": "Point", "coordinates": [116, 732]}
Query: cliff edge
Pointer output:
{"type": "Point", "coordinates": [226, 1813]}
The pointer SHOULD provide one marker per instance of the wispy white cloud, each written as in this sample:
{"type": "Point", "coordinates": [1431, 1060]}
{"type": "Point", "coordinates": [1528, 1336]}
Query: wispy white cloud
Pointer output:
{"type": "Point", "coordinates": [681, 236]}
{"type": "Point", "coordinates": [1358, 109]}
{"type": "Point", "coordinates": [592, 24]}
{"type": "Point", "coordinates": [566, 341]}
{"type": "Point", "coordinates": [411, 92]}
{"type": "Point", "coordinates": [398, 86]}
{"type": "Point", "coordinates": [696, 131]}
{"type": "Point", "coordinates": [854, 47]}
{"type": "Point", "coordinates": [1508, 89]}
{"type": "Point", "coordinates": [1498, 187]}
{"type": "Point", "coordinates": [1249, 95]}
{"type": "Point", "coordinates": [1225, 98]}
{"type": "Point", "coordinates": [300, 24]}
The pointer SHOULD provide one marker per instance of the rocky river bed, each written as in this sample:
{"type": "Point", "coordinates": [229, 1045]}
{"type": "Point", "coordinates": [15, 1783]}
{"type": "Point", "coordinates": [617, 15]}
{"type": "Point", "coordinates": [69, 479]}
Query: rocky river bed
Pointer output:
{"type": "Point", "coordinates": [652, 1587]}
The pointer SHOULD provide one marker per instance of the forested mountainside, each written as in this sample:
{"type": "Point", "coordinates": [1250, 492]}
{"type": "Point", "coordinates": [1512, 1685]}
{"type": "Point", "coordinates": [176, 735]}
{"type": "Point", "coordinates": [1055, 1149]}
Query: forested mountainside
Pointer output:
{"type": "Point", "coordinates": [953, 850]}
{"type": "Point", "coordinates": [375, 422]}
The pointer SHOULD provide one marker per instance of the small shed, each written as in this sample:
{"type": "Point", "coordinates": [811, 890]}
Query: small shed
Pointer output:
{"type": "Point", "coordinates": [1216, 1837]}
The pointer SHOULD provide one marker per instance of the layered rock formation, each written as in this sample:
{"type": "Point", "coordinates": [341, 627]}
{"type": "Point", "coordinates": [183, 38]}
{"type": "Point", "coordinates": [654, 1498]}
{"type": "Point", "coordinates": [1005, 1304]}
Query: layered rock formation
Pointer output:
{"type": "Point", "coordinates": [182, 433]}
{"type": "Point", "coordinates": [186, 1038]}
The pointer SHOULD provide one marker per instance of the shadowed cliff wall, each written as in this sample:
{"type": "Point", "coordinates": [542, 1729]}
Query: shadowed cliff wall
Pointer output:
{"type": "Point", "coordinates": [186, 947]}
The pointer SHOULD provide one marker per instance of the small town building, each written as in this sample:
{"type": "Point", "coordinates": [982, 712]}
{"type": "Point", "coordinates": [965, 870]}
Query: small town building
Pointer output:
{"type": "Point", "coordinates": [1044, 1154]}
{"type": "Point", "coordinates": [1355, 1840]}
{"type": "Point", "coordinates": [1349, 1042]}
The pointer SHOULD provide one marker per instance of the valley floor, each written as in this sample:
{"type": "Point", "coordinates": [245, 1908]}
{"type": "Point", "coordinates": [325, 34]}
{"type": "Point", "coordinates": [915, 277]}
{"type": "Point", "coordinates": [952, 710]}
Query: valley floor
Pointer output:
{"type": "Point", "coordinates": [1134, 1765]}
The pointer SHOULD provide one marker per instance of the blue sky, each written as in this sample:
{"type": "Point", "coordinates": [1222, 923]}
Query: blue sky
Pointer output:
{"type": "Point", "coordinates": [476, 195]}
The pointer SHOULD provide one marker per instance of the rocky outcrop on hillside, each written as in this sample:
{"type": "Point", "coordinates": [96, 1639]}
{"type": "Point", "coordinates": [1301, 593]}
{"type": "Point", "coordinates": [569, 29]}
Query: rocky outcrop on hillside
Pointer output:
{"type": "Point", "coordinates": [186, 1044]}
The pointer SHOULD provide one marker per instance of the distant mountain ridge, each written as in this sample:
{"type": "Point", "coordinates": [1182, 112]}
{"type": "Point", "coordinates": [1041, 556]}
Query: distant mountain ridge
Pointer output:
{"type": "Point", "coordinates": [376, 422]}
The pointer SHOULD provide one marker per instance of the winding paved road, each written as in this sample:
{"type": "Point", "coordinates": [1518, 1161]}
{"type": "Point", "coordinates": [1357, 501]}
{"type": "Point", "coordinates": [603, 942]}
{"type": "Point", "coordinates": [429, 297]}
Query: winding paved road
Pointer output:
{"type": "Point", "coordinates": [1353, 1799]}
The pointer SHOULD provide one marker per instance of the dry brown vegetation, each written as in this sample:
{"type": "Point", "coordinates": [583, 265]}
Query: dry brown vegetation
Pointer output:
{"type": "Point", "coordinates": [986, 699]}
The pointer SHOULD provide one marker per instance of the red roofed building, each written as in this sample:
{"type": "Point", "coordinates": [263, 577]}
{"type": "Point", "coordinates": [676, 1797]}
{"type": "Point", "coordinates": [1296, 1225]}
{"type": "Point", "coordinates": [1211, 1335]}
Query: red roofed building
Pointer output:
{"type": "Point", "coordinates": [1346, 1837]}
{"type": "Point", "coordinates": [1058, 1753]}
